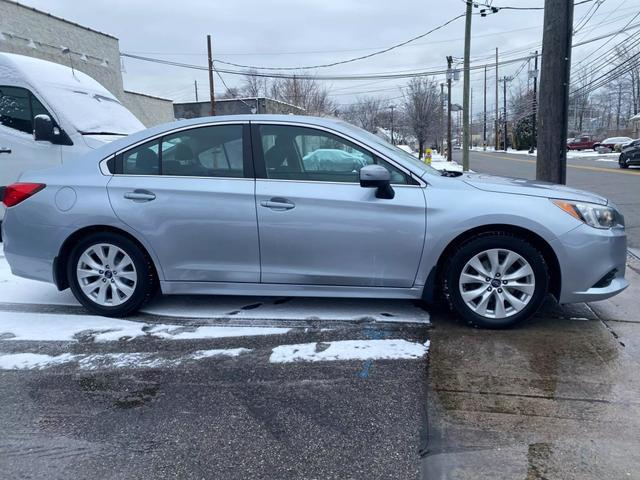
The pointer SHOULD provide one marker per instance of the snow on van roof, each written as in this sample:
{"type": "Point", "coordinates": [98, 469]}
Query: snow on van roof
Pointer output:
{"type": "Point", "coordinates": [71, 94]}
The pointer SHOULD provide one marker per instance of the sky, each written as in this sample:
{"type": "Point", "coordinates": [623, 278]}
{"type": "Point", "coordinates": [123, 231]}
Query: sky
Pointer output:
{"type": "Point", "coordinates": [290, 33]}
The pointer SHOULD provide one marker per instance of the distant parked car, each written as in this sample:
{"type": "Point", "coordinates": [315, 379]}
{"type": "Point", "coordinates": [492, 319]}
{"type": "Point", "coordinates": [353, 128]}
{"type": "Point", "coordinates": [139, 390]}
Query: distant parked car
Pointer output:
{"type": "Point", "coordinates": [228, 205]}
{"type": "Point", "coordinates": [584, 142]}
{"type": "Point", "coordinates": [332, 159]}
{"type": "Point", "coordinates": [611, 142]}
{"type": "Point", "coordinates": [630, 154]}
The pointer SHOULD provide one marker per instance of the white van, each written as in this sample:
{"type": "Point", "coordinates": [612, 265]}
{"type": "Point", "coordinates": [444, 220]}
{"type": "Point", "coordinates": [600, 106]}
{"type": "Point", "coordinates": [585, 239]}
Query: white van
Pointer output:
{"type": "Point", "coordinates": [50, 113]}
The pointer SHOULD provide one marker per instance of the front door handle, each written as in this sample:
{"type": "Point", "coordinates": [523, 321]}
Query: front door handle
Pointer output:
{"type": "Point", "coordinates": [5, 150]}
{"type": "Point", "coordinates": [278, 203]}
{"type": "Point", "coordinates": [139, 195]}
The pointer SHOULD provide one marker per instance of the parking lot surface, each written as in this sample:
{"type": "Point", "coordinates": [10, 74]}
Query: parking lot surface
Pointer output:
{"type": "Point", "coordinates": [374, 390]}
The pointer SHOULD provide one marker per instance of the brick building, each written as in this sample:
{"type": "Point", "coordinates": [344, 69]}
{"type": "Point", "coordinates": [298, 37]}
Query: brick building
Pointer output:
{"type": "Point", "coordinates": [27, 31]}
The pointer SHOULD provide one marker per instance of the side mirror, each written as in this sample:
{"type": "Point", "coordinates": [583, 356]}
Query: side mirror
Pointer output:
{"type": "Point", "coordinates": [376, 176]}
{"type": "Point", "coordinates": [43, 128]}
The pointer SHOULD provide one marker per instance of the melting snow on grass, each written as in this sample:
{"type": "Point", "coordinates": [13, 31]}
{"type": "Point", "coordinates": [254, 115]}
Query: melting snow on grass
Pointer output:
{"type": "Point", "coordinates": [53, 327]}
{"type": "Point", "coordinates": [96, 361]}
{"type": "Point", "coordinates": [349, 350]}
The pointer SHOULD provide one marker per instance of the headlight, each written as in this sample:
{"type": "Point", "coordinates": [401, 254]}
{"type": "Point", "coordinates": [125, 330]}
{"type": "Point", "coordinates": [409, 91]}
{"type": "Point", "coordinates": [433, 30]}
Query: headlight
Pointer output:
{"type": "Point", "coordinates": [594, 215]}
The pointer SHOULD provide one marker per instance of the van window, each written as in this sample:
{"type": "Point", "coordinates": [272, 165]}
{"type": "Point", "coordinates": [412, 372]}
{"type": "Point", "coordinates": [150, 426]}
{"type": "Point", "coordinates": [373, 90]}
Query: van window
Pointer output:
{"type": "Point", "coordinates": [18, 107]}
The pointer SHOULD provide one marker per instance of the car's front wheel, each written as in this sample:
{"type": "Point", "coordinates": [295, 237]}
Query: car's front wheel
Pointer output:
{"type": "Point", "coordinates": [622, 161]}
{"type": "Point", "coordinates": [496, 280]}
{"type": "Point", "coordinates": [110, 274]}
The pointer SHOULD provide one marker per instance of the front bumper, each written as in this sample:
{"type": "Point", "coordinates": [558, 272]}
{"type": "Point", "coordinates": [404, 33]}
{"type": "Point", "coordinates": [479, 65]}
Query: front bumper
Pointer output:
{"type": "Point", "coordinates": [587, 256]}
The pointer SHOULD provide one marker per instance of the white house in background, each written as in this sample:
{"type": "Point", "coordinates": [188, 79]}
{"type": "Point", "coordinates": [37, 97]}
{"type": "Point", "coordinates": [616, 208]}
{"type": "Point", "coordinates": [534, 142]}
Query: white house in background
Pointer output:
{"type": "Point", "coordinates": [635, 122]}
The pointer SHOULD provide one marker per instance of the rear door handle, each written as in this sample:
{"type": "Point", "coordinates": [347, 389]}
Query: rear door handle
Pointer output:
{"type": "Point", "coordinates": [5, 150]}
{"type": "Point", "coordinates": [278, 203]}
{"type": "Point", "coordinates": [140, 196]}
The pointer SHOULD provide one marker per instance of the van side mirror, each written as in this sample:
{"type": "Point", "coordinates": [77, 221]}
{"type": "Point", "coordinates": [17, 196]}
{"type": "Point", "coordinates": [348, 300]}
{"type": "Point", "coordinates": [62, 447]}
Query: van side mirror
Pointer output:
{"type": "Point", "coordinates": [43, 128]}
{"type": "Point", "coordinates": [376, 176]}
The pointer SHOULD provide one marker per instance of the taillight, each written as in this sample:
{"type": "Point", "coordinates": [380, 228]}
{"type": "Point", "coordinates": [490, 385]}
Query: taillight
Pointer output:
{"type": "Point", "coordinates": [18, 192]}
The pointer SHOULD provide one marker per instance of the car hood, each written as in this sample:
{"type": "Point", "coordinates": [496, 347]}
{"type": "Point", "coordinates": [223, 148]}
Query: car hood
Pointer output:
{"type": "Point", "coordinates": [533, 188]}
{"type": "Point", "coordinates": [94, 141]}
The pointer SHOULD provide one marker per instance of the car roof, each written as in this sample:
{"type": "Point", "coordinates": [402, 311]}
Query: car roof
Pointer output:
{"type": "Point", "coordinates": [124, 142]}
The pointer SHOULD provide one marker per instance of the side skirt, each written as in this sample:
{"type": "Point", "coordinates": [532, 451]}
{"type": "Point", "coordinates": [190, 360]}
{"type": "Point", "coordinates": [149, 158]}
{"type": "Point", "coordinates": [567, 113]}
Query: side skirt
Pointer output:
{"type": "Point", "coordinates": [276, 289]}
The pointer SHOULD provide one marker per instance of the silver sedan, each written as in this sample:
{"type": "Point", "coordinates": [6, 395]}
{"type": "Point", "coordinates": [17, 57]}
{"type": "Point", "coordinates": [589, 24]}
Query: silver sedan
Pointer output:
{"type": "Point", "coordinates": [241, 206]}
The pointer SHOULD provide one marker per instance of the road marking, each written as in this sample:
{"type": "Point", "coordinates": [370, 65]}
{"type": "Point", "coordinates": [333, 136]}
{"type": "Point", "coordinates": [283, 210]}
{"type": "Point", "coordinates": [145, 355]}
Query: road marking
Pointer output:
{"type": "Point", "coordinates": [580, 167]}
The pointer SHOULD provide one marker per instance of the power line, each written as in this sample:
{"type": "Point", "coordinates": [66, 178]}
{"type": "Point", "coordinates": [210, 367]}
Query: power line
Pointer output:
{"type": "Point", "coordinates": [350, 60]}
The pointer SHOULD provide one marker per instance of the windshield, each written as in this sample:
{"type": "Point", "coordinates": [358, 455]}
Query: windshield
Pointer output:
{"type": "Point", "coordinates": [92, 112]}
{"type": "Point", "coordinates": [392, 150]}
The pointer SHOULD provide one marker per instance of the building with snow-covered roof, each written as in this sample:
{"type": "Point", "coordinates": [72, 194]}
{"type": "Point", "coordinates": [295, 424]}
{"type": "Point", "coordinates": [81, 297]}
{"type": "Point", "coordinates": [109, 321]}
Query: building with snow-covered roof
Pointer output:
{"type": "Point", "coordinates": [27, 31]}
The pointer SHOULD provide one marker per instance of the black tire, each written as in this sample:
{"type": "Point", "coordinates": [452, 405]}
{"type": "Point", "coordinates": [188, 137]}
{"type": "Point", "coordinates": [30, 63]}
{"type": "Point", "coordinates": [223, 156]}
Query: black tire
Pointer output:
{"type": "Point", "coordinates": [488, 241]}
{"type": "Point", "coordinates": [146, 284]}
{"type": "Point", "coordinates": [622, 161]}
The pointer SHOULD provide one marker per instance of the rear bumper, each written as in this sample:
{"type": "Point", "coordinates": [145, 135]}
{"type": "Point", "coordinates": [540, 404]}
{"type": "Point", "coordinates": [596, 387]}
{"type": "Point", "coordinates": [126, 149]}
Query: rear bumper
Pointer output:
{"type": "Point", "coordinates": [29, 246]}
{"type": "Point", "coordinates": [592, 264]}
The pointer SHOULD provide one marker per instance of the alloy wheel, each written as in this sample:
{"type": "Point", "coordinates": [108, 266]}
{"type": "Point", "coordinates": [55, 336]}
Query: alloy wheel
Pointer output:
{"type": "Point", "coordinates": [106, 274]}
{"type": "Point", "coordinates": [497, 283]}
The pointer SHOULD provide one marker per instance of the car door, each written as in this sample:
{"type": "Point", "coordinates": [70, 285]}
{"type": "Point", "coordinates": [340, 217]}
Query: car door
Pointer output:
{"type": "Point", "coordinates": [18, 149]}
{"type": "Point", "coordinates": [318, 226]}
{"type": "Point", "coordinates": [190, 195]}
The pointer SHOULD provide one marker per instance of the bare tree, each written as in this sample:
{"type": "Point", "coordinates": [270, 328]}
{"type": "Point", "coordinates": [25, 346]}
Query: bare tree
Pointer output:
{"type": "Point", "coordinates": [306, 93]}
{"type": "Point", "coordinates": [254, 86]}
{"type": "Point", "coordinates": [421, 105]}
{"type": "Point", "coordinates": [366, 113]}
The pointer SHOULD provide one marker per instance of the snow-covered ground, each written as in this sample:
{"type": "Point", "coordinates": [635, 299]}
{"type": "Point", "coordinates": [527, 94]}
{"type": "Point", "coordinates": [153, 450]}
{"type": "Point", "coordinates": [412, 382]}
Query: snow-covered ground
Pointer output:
{"type": "Point", "coordinates": [22, 291]}
{"type": "Point", "coordinates": [67, 328]}
{"type": "Point", "coordinates": [573, 154]}
{"type": "Point", "coordinates": [349, 350]}
{"type": "Point", "coordinates": [24, 318]}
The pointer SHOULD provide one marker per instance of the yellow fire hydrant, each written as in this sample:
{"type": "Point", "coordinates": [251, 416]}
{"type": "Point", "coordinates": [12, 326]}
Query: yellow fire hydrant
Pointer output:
{"type": "Point", "coordinates": [427, 156]}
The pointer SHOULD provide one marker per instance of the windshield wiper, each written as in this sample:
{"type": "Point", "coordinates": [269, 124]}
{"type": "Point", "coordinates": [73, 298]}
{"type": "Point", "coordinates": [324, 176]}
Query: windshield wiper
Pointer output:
{"type": "Point", "coordinates": [448, 173]}
{"type": "Point", "coordinates": [103, 133]}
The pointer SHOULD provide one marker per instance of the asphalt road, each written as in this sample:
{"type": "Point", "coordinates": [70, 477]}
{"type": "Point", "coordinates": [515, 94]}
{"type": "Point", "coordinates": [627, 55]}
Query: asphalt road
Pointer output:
{"type": "Point", "coordinates": [598, 174]}
{"type": "Point", "coordinates": [222, 417]}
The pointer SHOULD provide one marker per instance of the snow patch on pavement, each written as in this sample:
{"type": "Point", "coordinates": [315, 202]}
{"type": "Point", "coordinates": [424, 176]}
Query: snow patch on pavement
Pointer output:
{"type": "Point", "coordinates": [53, 327]}
{"type": "Point", "coordinates": [36, 361]}
{"type": "Point", "coordinates": [23, 291]}
{"type": "Point", "coordinates": [349, 350]}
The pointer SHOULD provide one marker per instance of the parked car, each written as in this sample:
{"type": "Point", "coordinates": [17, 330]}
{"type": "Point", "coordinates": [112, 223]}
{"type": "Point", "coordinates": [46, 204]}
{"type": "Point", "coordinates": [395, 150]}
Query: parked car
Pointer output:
{"type": "Point", "coordinates": [611, 142]}
{"type": "Point", "coordinates": [630, 154]}
{"type": "Point", "coordinates": [50, 114]}
{"type": "Point", "coordinates": [584, 142]}
{"type": "Point", "coordinates": [226, 205]}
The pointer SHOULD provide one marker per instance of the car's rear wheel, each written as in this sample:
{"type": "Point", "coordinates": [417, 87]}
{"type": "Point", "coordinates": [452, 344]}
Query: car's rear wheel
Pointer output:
{"type": "Point", "coordinates": [110, 274]}
{"type": "Point", "coordinates": [496, 280]}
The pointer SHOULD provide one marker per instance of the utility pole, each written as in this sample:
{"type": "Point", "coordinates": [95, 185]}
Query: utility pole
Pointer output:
{"type": "Point", "coordinates": [449, 77]}
{"type": "Point", "coordinates": [555, 74]}
{"type": "Point", "coordinates": [495, 123]}
{"type": "Point", "coordinates": [195, 85]}
{"type": "Point", "coordinates": [211, 86]}
{"type": "Point", "coordinates": [484, 123]}
{"type": "Point", "coordinates": [442, 118]}
{"type": "Point", "coordinates": [392, 140]}
{"type": "Point", "coordinates": [466, 107]}
{"type": "Point", "coordinates": [504, 98]}
{"type": "Point", "coordinates": [535, 104]}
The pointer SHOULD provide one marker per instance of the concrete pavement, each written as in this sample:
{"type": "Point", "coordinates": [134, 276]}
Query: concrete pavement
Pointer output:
{"type": "Point", "coordinates": [558, 397]}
